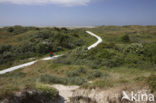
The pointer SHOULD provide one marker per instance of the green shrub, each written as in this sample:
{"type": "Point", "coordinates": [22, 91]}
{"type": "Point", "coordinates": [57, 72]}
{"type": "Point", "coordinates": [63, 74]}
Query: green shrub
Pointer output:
{"type": "Point", "coordinates": [94, 74]}
{"type": "Point", "coordinates": [132, 60]}
{"type": "Point", "coordinates": [76, 72]}
{"type": "Point", "coordinates": [4, 48]}
{"type": "Point", "coordinates": [150, 51]}
{"type": "Point", "coordinates": [72, 73]}
{"type": "Point", "coordinates": [10, 29]}
{"type": "Point", "coordinates": [75, 56]}
{"type": "Point", "coordinates": [135, 48]}
{"type": "Point", "coordinates": [49, 91]}
{"type": "Point", "coordinates": [51, 79]}
{"type": "Point", "coordinates": [125, 38]}
{"type": "Point", "coordinates": [94, 58]}
{"type": "Point", "coordinates": [114, 61]}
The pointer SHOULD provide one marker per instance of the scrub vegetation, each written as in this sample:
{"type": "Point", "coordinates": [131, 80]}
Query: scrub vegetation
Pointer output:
{"type": "Point", "coordinates": [19, 43]}
{"type": "Point", "coordinates": [127, 54]}
{"type": "Point", "coordinates": [126, 57]}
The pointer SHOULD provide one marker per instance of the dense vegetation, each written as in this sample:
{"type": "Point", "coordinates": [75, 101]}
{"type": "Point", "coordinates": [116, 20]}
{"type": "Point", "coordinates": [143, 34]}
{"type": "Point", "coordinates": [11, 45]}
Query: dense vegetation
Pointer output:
{"type": "Point", "coordinates": [133, 45]}
{"type": "Point", "coordinates": [128, 47]}
{"type": "Point", "coordinates": [109, 55]}
{"type": "Point", "coordinates": [125, 58]}
{"type": "Point", "coordinates": [18, 43]}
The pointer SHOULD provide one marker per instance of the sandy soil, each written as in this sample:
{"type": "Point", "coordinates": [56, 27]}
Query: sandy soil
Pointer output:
{"type": "Point", "coordinates": [65, 91]}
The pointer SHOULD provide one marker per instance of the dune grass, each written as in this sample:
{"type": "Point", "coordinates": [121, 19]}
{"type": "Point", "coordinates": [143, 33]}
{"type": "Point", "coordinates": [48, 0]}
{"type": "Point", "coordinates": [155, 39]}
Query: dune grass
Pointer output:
{"type": "Point", "coordinates": [114, 63]}
{"type": "Point", "coordinates": [25, 44]}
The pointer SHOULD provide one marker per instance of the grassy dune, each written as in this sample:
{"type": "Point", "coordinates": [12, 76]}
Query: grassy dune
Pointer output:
{"type": "Point", "coordinates": [22, 44]}
{"type": "Point", "coordinates": [126, 58]}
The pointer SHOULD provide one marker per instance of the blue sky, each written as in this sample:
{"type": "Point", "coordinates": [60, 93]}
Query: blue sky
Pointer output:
{"type": "Point", "coordinates": [77, 12]}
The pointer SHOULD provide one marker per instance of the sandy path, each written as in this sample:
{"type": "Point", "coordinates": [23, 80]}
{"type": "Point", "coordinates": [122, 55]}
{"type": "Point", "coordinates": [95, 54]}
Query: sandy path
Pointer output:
{"type": "Point", "coordinates": [95, 44]}
{"type": "Point", "coordinates": [25, 64]}
{"type": "Point", "coordinates": [65, 91]}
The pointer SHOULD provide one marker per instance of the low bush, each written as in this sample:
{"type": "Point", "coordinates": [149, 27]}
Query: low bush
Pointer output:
{"type": "Point", "coordinates": [49, 91]}
{"type": "Point", "coordinates": [94, 74]}
{"type": "Point", "coordinates": [51, 79]}
{"type": "Point", "coordinates": [150, 52]}
{"type": "Point", "coordinates": [17, 29]}
{"type": "Point", "coordinates": [125, 38]}
{"type": "Point", "coordinates": [76, 72]}
{"type": "Point", "coordinates": [132, 60]}
{"type": "Point", "coordinates": [135, 48]}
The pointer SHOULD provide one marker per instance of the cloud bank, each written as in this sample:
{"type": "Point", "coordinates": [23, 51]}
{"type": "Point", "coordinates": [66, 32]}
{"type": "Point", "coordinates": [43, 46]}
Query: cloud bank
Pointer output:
{"type": "Point", "coordinates": [42, 2]}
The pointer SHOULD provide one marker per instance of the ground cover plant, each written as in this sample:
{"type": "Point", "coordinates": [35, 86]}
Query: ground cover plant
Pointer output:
{"type": "Point", "coordinates": [19, 43]}
{"type": "Point", "coordinates": [126, 57]}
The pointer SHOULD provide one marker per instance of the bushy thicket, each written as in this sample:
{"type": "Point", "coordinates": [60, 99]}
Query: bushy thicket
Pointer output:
{"type": "Point", "coordinates": [111, 55]}
{"type": "Point", "coordinates": [18, 29]}
{"type": "Point", "coordinates": [125, 38]}
{"type": "Point", "coordinates": [38, 41]}
{"type": "Point", "coordinates": [50, 92]}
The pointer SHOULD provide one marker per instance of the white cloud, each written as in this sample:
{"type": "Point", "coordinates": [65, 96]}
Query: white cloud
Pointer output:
{"type": "Point", "coordinates": [41, 2]}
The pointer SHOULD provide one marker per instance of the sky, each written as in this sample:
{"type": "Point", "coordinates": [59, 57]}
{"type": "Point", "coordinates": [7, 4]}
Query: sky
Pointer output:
{"type": "Point", "coordinates": [77, 12]}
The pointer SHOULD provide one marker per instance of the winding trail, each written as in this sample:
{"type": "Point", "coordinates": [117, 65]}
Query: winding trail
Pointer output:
{"type": "Point", "coordinates": [67, 91]}
{"type": "Point", "coordinates": [48, 58]}
{"type": "Point", "coordinates": [25, 64]}
{"type": "Point", "coordinates": [95, 44]}
{"type": "Point", "coordinates": [64, 91]}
